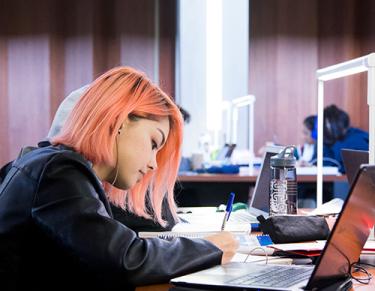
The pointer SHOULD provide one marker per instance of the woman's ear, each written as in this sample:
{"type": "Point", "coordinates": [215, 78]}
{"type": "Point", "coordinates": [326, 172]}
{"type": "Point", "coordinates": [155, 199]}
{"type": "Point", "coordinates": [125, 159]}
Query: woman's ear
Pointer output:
{"type": "Point", "coordinates": [119, 130]}
{"type": "Point", "coordinates": [124, 124]}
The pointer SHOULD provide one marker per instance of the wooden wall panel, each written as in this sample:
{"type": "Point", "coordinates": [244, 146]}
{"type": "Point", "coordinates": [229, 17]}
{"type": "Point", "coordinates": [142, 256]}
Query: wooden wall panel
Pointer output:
{"type": "Point", "coordinates": [289, 41]}
{"type": "Point", "coordinates": [57, 56]}
{"type": "Point", "coordinates": [137, 42]}
{"type": "Point", "coordinates": [28, 74]}
{"type": "Point", "coordinates": [262, 58]}
{"type": "Point", "coordinates": [4, 113]}
{"type": "Point", "coordinates": [364, 32]}
{"type": "Point", "coordinates": [106, 36]}
{"type": "Point", "coordinates": [168, 27]}
{"type": "Point", "coordinates": [283, 58]}
{"type": "Point", "coordinates": [29, 99]}
{"type": "Point", "coordinates": [78, 44]}
{"type": "Point", "coordinates": [337, 43]}
{"type": "Point", "coordinates": [50, 47]}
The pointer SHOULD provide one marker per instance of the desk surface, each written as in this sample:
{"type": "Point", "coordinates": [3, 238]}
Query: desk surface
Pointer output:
{"type": "Point", "coordinates": [246, 177]}
{"type": "Point", "coordinates": [356, 285]}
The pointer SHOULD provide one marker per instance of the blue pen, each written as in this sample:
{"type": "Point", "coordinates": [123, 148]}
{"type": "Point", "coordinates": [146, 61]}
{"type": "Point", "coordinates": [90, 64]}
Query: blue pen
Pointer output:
{"type": "Point", "coordinates": [228, 210]}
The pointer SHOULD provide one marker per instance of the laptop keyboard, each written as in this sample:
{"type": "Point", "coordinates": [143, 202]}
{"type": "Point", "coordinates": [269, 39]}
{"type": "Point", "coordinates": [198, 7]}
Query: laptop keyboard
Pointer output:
{"type": "Point", "coordinates": [242, 217]}
{"type": "Point", "coordinates": [274, 276]}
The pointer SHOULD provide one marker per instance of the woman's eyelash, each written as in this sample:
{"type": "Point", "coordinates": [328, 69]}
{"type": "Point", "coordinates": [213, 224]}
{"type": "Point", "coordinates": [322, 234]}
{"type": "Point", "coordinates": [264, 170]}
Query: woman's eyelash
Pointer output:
{"type": "Point", "coordinates": [154, 145]}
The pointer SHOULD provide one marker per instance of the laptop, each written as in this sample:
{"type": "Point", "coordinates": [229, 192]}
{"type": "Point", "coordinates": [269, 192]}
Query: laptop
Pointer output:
{"type": "Point", "coordinates": [259, 202]}
{"type": "Point", "coordinates": [352, 160]}
{"type": "Point", "coordinates": [226, 152]}
{"type": "Point", "coordinates": [342, 249]}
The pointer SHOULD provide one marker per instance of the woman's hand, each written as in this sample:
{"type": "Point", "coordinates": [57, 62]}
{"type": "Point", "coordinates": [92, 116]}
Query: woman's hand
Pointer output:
{"type": "Point", "coordinates": [226, 242]}
{"type": "Point", "coordinates": [331, 220]}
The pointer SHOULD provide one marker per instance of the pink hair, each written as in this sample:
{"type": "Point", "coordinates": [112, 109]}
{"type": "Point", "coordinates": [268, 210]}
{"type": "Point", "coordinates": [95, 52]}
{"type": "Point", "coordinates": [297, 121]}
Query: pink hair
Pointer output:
{"type": "Point", "coordinates": [92, 126]}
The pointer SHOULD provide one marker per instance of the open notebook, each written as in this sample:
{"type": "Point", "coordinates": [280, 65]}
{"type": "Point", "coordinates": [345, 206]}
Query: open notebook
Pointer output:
{"type": "Point", "coordinates": [247, 243]}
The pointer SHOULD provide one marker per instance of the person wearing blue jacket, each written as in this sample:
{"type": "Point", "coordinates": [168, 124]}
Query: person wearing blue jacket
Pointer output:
{"type": "Point", "coordinates": [338, 135]}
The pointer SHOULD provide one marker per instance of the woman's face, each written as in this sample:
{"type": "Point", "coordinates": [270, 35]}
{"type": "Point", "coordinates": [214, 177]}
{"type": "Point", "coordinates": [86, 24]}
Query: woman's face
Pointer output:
{"type": "Point", "coordinates": [306, 133]}
{"type": "Point", "coordinates": [138, 142]}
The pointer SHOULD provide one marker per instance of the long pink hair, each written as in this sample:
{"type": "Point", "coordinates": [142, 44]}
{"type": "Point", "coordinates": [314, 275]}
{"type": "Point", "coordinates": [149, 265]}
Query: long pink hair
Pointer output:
{"type": "Point", "coordinates": [92, 126]}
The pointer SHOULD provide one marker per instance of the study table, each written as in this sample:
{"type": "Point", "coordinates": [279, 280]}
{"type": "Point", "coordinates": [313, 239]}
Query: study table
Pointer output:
{"type": "Point", "coordinates": [368, 258]}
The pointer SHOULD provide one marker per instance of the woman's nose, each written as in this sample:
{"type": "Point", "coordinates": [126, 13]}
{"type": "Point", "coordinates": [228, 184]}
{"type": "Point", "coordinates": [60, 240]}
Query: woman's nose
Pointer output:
{"type": "Point", "coordinates": [153, 165]}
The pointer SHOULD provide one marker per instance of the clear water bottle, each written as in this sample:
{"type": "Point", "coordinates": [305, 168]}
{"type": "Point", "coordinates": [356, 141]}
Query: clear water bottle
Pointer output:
{"type": "Point", "coordinates": [283, 187]}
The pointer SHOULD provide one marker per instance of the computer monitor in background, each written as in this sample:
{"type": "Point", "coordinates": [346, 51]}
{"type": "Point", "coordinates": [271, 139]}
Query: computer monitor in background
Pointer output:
{"type": "Point", "coordinates": [352, 160]}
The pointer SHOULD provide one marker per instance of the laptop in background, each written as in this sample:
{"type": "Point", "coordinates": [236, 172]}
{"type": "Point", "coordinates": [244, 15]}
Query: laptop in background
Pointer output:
{"type": "Point", "coordinates": [259, 202]}
{"type": "Point", "coordinates": [226, 152]}
{"type": "Point", "coordinates": [342, 249]}
{"type": "Point", "coordinates": [352, 160]}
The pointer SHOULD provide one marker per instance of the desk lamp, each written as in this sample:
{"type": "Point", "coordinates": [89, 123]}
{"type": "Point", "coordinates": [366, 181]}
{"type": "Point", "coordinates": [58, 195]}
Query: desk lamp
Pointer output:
{"type": "Point", "coordinates": [358, 65]}
{"type": "Point", "coordinates": [237, 103]}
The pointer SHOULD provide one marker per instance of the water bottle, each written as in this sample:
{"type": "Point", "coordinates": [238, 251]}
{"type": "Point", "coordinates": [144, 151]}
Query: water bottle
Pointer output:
{"type": "Point", "coordinates": [283, 186]}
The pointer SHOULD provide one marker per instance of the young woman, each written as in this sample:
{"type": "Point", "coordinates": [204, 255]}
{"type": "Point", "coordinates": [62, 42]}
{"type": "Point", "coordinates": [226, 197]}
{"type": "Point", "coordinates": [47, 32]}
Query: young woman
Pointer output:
{"type": "Point", "coordinates": [135, 222]}
{"type": "Point", "coordinates": [122, 139]}
{"type": "Point", "coordinates": [338, 134]}
{"type": "Point", "coordinates": [306, 150]}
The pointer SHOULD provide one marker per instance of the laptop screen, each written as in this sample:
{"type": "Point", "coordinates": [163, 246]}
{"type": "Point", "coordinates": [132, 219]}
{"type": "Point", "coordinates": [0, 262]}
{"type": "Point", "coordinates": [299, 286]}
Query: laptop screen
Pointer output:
{"type": "Point", "coordinates": [260, 198]}
{"type": "Point", "coordinates": [352, 160]}
{"type": "Point", "coordinates": [350, 231]}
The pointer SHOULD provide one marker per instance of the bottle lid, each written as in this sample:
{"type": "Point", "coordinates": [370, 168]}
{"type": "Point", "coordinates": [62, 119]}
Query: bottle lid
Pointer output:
{"type": "Point", "coordinates": [285, 158]}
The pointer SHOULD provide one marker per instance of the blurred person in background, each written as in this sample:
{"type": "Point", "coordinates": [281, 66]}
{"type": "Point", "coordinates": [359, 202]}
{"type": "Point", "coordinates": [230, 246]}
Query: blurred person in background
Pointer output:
{"type": "Point", "coordinates": [338, 134]}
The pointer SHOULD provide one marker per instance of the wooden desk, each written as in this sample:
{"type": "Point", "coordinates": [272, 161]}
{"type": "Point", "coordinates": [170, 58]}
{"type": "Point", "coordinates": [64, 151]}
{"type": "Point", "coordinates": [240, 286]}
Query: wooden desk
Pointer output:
{"type": "Point", "coordinates": [246, 178]}
{"type": "Point", "coordinates": [356, 285]}
{"type": "Point", "coordinates": [362, 287]}
{"type": "Point", "coordinates": [212, 189]}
